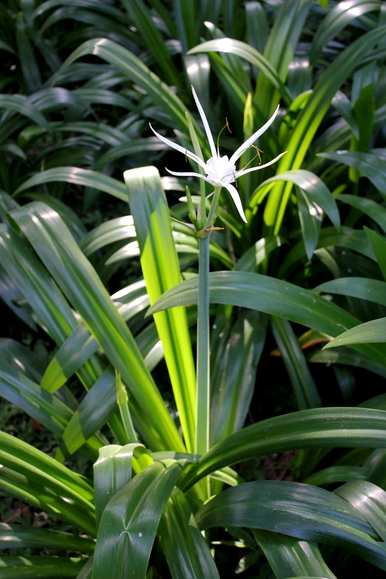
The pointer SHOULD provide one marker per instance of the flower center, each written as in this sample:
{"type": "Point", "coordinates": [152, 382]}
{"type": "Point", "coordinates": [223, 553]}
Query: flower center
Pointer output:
{"type": "Point", "coordinates": [219, 170]}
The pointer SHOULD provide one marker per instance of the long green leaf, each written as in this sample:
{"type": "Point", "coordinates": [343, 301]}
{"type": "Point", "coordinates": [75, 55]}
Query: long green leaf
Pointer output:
{"type": "Point", "coordinates": [77, 176]}
{"type": "Point", "coordinates": [370, 165]}
{"type": "Point", "coordinates": [335, 474]}
{"type": "Point", "coordinates": [288, 556]}
{"type": "Point", "coordinates": [311, 184]}
{"type": "Point", "coordinates": [294, 509]}
{"type": "Point", "coordinates": [129, 524]}
{"type": "Point", "coordinates": [137, 71]}
{"type": "Point", "coordinates": [28, 63]}
{"type": "Point", "coordinates": [369, 207]}
{"type": "Point", "coordinates": [327, 427]}
{"type": "Point", "coordinates": [248, 53]}
{"type": "Point", "coordinates": [92, 414]}
{"type": "Point", "coordinates": [49, 305]}
{"type": "Point", "coordinates": [184, 547]}
{"type": "Point", "coordinates": [112, 471]}
{"type": "Point", "coordinates": [363, 288]}
{"type": "Point", "coordinates": [20, 357]}
{"type": "Point", "coordinates": [28, 472]}
{"type": "Point", "coordinates": [303, 384]}
{"type": "Point", "coordinates": [309, 121]}
{"type": "Point", "coordinates": [80, 345]}
{"type": "Point", "coordinates": [20, 104]}
{"type": "Point", "coordinates": [368, 499]}
{"type": "Point", "coordinates": [337, 18]}
{"type": "Point", "coordinates": [264, 293]}
{"type": "Point", "coordinates": [368, 333]}
{"type": "Point", "coordinates": [150, 34]}
{"type": "Point", "coordinates": [236, 351]}
{"type": "Point", "coordinates": [271, 296]}
{"type": "Point", "coordinates": [161, 272]}
{"type": "Point", "coordinates": [47, 409]}
{"type": "Point", "coordinates": [280, 48]}
{"type": "Point", "coordinates": [28, 567]}
{"type": "Point", "coordinates": [19, 537]}
{"type": "Point", "coordinates": [61, 255]}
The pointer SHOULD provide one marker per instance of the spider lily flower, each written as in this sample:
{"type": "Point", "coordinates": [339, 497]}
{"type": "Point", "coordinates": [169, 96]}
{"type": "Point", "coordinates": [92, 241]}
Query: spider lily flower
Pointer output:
{"type": "Point", "coordinates": [220, 171]}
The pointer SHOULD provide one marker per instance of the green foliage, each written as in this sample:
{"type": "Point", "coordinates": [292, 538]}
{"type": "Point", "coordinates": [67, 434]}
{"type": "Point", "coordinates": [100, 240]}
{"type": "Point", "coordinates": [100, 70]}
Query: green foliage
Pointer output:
{"type": "Point", "coordinates": [112, 381]}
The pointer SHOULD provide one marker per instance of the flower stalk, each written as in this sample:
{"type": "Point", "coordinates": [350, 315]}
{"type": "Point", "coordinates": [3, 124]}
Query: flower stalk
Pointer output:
{"type": "Point", "coordinates": [203, 350]}
{"type": "Point", "coordinates": [220, 172]}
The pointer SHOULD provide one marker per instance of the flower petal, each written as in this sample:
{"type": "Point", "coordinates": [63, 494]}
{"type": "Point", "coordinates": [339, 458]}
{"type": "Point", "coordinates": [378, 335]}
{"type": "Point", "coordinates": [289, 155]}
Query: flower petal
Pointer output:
{"type": "Point", "coordinates": [237, 154]}
{"type": "Point", "coordinates": [180, 149]}
{"type": "Point", "coordinates": [205, 123]}
{"type": "Point", "coordinates": [236, 200]}
{"type": "Point", "coordinates": [258, 167]}
{"type": "Point", "coordinates": [187, 174]}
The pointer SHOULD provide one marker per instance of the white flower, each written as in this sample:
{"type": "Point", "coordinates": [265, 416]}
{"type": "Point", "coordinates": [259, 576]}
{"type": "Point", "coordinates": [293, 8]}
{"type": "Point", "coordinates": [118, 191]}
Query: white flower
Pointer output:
{"type": "Point", "coordinates": [220, 171]}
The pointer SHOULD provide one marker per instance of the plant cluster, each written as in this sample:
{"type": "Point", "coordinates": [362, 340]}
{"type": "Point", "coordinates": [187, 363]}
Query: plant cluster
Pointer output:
{"type": "Point", "coordinates": [230, 423]}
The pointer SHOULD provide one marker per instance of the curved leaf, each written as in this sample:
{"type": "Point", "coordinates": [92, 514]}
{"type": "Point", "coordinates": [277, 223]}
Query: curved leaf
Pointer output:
{"type": "Point", "coordinates": [137, 71]}
{"type": "Point", "coordinates": [68, 359]}
{"type": "Point", "coordinates": [108, 232]}
{"type": "Point", "coordinates": [271, 296]}
{"type": "Point", "coordinates": [236, 352]}
{"type": "Point", "coordinates": [335, 474]}
{"type": "Point", "coordinates": [328, 84]}
{"type": "Point", "coordinates": [326, 427]}
{"type": "Point", "coordinates": [92, 413]}
{"type": "Point", "coordinates": [368, 333]}
{"type": "Point", "coordinates": [185, 549]}
{"type": "Point", "coordinates": [29, 567]}
{"type": "Point", "coordinates": [337, 18]}
{"type": "Point", "coordinates": [27, 395]}
{"type": "Point", "coordinates": [363, 288]}
{"type": "Point", "coordinates": [243, 50]}
{"type": "Point", "coordinates": [370, 165]}
{"type": "Point", "coordinates": [311, 184]}
{"type": "Point", "coordinates": [287, 556]}
{"type": "Point", "coordinates": [33, 475]}
{"type": "Point", "coordinates": [264, 293]}
{"type": "Point", "coordinates": [294, 509]}
{"type": "Point", "coordinates": [348, 358]}
{"type": "Point", "coordinates": [369, 207]}
{"type": "Point", "coordinates": [20, 104]}
{"type": "Point", "coordinates": [18, 537]}
{"type": "Point", "coordinates": [112, 471]}
{"type": "Point", "coordinates": [58, 250]}
{"type": "Point", "coordinates": [303, 384]}
{"type": "Point", "coordinates": [129, 523]}
{"type": "Point", "coordinates": [161, 271]}
{"type": "Point", "coordinates": [369, 500]}
{"type": "Point", "coordinates": [77, 176]}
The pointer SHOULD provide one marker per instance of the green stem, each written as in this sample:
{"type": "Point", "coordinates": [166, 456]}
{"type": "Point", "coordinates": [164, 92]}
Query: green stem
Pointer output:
{"type": "Point", "coordinates": [203, 368]}
{"type": "Point", "coordinates": [203, 333]}
{"type": "Point", "coordinates": [213, 208]}
{"type": "Point", "coordinates": [123, 405]}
